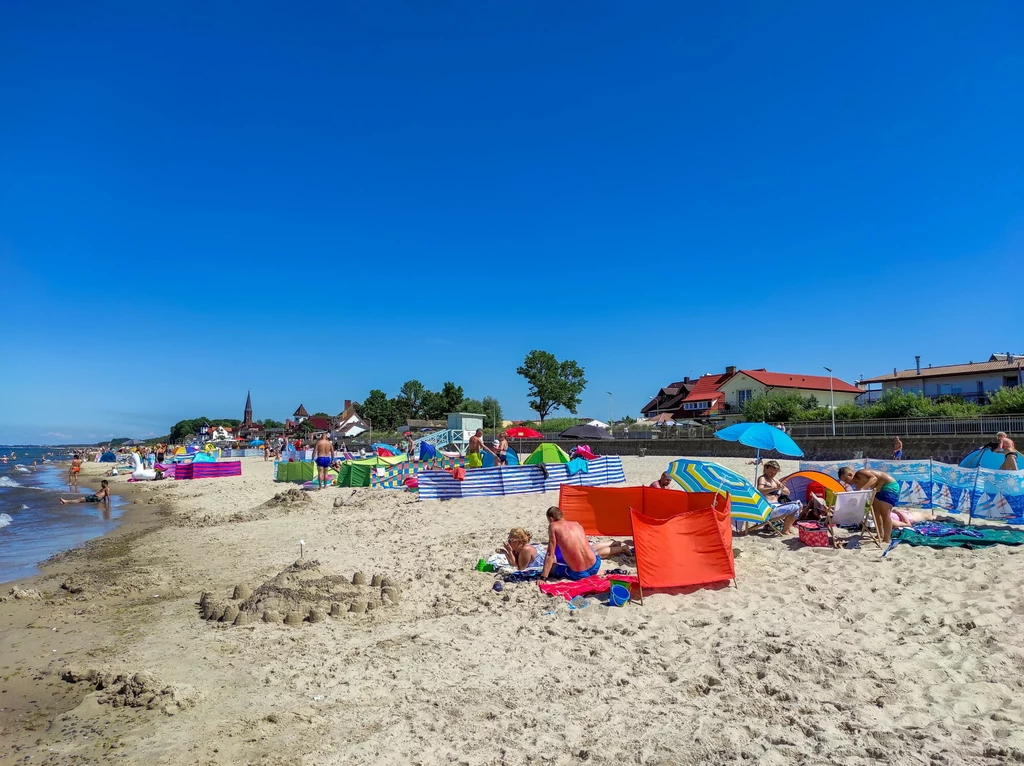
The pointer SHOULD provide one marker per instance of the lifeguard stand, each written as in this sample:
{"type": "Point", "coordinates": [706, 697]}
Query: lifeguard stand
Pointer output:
{"type": "Point", "coordinates": [461, 426]}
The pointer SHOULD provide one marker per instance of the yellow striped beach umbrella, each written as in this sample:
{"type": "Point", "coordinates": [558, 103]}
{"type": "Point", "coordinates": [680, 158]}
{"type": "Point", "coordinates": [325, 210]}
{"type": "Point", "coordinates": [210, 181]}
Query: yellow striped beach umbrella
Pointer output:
{"type": "Point", "coordinates": [699, 476]}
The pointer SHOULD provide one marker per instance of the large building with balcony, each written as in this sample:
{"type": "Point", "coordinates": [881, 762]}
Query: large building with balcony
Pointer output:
{"type": "Point", "coordinates": [973, 381]}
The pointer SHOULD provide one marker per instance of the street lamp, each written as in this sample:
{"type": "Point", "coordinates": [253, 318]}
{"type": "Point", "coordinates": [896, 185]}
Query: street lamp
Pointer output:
{"type": "Point", "coordinates": [832, 400]}
{"type": "Point", "coordinates": [611, 424]}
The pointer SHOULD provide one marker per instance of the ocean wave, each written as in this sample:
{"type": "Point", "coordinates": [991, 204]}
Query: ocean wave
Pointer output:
{"type": "Point", "coordinates": [5, 520]}
{"type": "Point", "coordinates": [7, 481]}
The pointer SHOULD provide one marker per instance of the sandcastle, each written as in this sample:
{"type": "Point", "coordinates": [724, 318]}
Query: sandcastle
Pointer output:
{"type": "Point", "coordinates": [303, 592]}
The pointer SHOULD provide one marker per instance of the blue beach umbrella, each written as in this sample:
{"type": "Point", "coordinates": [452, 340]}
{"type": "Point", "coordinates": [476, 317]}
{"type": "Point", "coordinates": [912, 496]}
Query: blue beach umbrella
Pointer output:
{"type": "Point", "coordinates": [256, 443]}
{"type": "Point", "coordinates": [747, 504]}
{"type": "Point", "coordinates": [760, 436]}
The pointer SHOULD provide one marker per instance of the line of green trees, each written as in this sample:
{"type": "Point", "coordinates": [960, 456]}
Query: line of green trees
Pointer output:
{"type": "Point", "coordinates": [190, 426]}
{"type": "Point", "coordinates": [415, 401]}
{"type": "Point", "coordinates": [776, 407]}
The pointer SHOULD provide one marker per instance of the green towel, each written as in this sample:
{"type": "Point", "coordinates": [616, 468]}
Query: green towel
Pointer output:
{"type": "Point", "coordinates": [989, 536]}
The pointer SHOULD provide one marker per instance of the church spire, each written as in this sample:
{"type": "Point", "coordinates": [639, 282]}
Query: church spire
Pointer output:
{"type": "Point", "coordinates": [247, 416]}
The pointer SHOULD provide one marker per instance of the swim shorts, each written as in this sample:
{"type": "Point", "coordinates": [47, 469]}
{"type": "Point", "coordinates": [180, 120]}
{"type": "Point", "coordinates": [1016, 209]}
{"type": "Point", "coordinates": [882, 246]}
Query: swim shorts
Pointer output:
{"type": "Point", "coordinates": [323, 461]}
{"type": "Point", "coordinates": [897, 455]}
{"type": "Point", "coordinates": [92, 499]}
{"type": "Point", "coordinates": [887, 495]}
{"type": "Point", "coordinates": [473, 460]}
{"type": "Point", "coordinates": [574, 575]}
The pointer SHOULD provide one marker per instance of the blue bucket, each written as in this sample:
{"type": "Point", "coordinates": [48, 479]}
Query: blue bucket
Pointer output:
{"type": "Point", "coordinates": [618, 595]}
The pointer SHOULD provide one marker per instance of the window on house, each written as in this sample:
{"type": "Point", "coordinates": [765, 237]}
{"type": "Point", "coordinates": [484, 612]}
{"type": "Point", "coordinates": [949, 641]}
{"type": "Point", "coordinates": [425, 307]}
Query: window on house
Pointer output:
{"type": "Point", "coordinates": [1010, 381]}
{"type": "Point", "coordinates": [742, 397]}
{"type": "Point", "coordinates": [957, 389]}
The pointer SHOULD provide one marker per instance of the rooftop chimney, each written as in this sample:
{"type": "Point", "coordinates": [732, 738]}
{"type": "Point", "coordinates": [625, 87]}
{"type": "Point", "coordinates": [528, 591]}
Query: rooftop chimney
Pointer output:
{"type": "Point", "coordinates": [730, 370]}
{"type": "Point", "coordinates": [348, 403]}
{"type": "Point", "coordinates": [686, 379]}
{"type": "Point", "coordinates": [918, 360]}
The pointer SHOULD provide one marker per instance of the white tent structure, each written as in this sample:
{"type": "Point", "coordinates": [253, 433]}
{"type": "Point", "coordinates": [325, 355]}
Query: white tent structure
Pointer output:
{"type": "Point", "coordinates": [597, 424]}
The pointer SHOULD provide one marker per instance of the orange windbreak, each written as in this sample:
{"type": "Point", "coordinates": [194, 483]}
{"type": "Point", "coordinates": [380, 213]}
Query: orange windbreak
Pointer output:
{"type": "Point", "coordinates": [605, 510]}
{"type": "Point", "coordinates": [690, 548]}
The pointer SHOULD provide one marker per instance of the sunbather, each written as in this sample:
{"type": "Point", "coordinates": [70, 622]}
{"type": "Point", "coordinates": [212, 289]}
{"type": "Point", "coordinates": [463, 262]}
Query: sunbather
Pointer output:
{"type": "Point", "coordinates": [103, 496]}
{"type": "Point", "coordinates": [568, 545]}
{"type": "Point", "coordinates": [777, 493]}
{"type": "Point", "coordinates": [521, 552]}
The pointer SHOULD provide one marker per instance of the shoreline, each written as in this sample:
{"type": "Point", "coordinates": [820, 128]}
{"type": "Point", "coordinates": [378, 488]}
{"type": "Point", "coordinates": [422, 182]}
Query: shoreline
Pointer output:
{"type": "Point", "coordinates": [818, 656]}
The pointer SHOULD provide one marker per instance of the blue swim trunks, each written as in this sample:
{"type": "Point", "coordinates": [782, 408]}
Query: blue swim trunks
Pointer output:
{"type": "Point", "coordinates": [897, 455]}
{"type": "Point", "coordinates": [323, 461]}
{"type": "Point", "coordinates": [890, 493]}
{"type": "Point", "coordinates": [574, 575]}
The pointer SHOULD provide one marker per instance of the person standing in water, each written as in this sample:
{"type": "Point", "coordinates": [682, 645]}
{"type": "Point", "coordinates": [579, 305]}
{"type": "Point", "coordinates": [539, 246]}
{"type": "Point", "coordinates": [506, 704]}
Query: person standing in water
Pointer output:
{"type": "Point", "coordinates": [74, 470]}
{"type": "Point", "coordinates": [323, 454]}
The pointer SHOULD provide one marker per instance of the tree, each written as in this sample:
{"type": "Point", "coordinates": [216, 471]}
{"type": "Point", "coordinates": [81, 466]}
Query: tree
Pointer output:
{"type": "Point", "coordinates": [306, 427]}
{"type": "Point", "coordinates": [320, 415]}
{"type": "Point", "coordinates": [895, 403]}
{"type": "Point", "coordinates": [452, 396]}
{"type": "Point", "coordinates": [552, 383]}
{"type": "Point", "coordinates": [183, 428]}
{"type": "Point", "coordinates": [492, 412]}
{"type": "Point", "coordinates": [400, 411]}
{"type": "Point", "coordinates": [434, 407]}
{"type": "Point", "coordinates": [773, 407]}
{"type": "Point", "coordinates": [411, 394]}
{"type": "Point", "coordinates": [270, 423]}
{"type": "Point", "coordinates": [376, 409]}
{"type": "Point", "coordinates": [1007, 401]}
{"type": "Point", "coordinates": [472, 405]}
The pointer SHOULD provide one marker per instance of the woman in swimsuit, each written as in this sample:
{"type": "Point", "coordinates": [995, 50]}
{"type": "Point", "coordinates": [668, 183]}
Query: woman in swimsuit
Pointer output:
{"type": "Point", "coordinates": [1008, 448]}
{"type": "Point", "coordinates": [520, 552]}
{"type": "Point", "coordinates": [777, 493]}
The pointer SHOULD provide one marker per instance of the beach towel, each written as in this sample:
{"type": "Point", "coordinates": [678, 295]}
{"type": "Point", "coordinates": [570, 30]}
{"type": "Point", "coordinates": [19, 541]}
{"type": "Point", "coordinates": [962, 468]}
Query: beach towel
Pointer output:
{"type": "Point", "coordinates": [578, 465]}
{"type": "Point", "coordinates": [569, 589]}
{"type": "Point", "coordinates": [957, 536]}
{"type": "Point", "coordinates": [459, 473]}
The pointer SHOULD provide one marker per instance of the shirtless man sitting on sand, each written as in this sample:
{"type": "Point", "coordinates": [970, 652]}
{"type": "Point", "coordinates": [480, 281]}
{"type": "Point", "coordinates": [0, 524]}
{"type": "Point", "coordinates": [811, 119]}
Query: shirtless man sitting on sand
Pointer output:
{"type": "Point", "coordinates": [323, 454]}
{"type": "Point", "coordinates": [103, 496]}
{"type": "Point", "coordinates": [568, 540]}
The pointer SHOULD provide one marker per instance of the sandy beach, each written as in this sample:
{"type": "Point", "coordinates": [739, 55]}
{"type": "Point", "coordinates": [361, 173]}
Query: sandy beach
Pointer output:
{"type": "Point", "coordinates": [819, 656]}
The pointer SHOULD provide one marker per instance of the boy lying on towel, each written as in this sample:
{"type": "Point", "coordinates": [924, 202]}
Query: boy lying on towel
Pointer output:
{"type": "Point", "coordinates": [579, 559]}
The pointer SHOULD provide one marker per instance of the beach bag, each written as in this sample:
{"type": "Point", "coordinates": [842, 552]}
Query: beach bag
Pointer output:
{"type": "Point", "coordinates": [812, 534]}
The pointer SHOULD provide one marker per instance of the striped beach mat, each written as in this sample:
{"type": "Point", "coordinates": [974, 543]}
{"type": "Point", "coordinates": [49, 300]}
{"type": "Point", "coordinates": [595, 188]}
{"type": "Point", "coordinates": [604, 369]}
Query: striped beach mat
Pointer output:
{"type": "Point", "coordinates": [208, 470]}
{"type": "Point", "coordinates": [518, 480]}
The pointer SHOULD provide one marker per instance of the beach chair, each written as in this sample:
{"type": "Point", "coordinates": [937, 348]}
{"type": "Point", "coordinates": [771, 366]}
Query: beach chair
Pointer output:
{"type": "Point", "coordinates": [851, 509]}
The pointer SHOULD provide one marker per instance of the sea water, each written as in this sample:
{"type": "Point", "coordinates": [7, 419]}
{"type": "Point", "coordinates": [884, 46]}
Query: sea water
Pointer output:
{"type": "Point", "coordinates": [33, 523]}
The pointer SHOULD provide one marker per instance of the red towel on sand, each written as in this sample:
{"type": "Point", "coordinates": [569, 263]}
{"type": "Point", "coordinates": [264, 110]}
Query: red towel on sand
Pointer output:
{"type": "Point", "coordinates": [570, 589]}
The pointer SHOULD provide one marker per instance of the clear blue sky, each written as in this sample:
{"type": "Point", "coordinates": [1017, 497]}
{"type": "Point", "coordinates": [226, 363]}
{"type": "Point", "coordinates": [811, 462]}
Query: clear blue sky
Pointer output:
{"type": "Point", "coordinates": [314, 199]}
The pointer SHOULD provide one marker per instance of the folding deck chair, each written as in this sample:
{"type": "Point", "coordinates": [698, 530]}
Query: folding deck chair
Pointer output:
{"type": "Point", "coordinates": [851, 509]}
